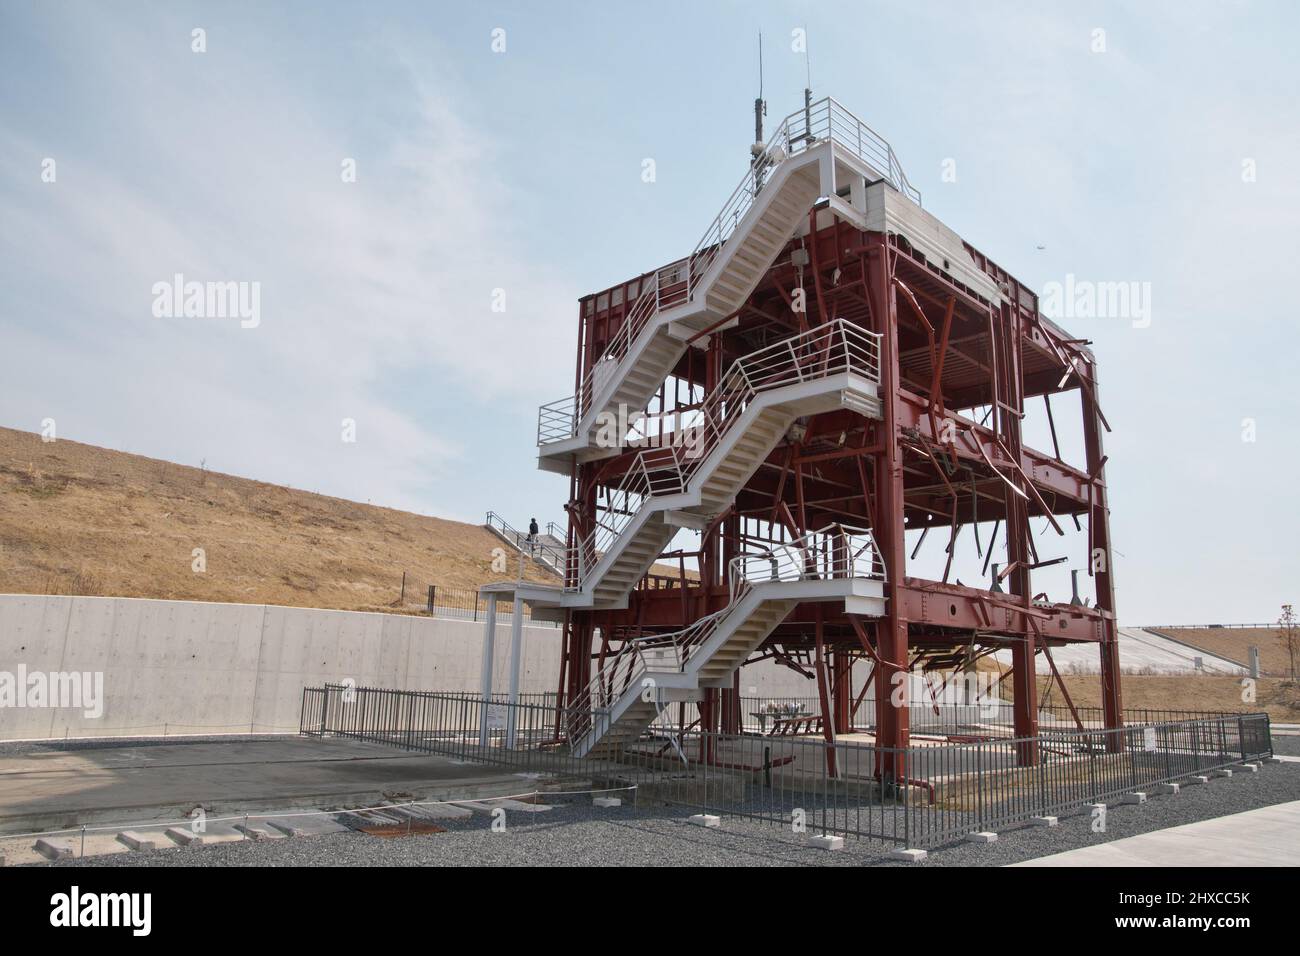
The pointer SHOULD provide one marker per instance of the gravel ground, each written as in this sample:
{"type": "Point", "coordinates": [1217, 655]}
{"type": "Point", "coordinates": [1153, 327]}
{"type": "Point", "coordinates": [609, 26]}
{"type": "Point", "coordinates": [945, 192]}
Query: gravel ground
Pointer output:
{"type": "Point", "coordinates": [1288, 745]}
{"type": "Point", "coordinates": [577, 834]}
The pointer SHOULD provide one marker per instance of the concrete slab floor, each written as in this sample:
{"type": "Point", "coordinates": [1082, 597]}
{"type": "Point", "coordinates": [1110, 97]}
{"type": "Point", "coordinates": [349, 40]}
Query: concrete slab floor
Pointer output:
{"type": "Point", "coordinates": [51, 789]}
{"type": "Point", "coordinates": [1269, 836]}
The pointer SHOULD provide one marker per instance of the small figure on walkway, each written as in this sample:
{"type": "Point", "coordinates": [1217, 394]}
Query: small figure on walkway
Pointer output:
{"type": "Point", "coordinates": [532, 531]}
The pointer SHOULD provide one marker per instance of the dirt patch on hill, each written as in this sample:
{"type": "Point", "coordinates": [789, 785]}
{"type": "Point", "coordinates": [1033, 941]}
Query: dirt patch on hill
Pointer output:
{"type": "Point", "coordinates": [77, 519]}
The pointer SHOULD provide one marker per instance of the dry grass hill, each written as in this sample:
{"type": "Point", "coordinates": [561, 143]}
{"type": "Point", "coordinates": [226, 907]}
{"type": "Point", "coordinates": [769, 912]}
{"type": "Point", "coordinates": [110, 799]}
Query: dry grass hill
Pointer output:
{"type": "Point", "coordinates": [76, 519]}
{"type": "Point", "coordinates": [1234, 643]}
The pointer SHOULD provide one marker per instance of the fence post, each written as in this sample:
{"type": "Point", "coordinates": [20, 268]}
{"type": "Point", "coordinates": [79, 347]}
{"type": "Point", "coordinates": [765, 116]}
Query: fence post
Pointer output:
{"type": "Point", "coordinates": [907, 805]}
{"type": "Point", "coordinates": [433, 590]}
{"type": "Point", "coordinates": [324, 708]}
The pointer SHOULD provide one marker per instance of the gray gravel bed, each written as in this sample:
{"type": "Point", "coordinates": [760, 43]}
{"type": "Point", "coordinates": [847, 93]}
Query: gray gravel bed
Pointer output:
{"type": "Point", "coordinates": [577, 834]}
{"type": "Point", "coordinates": [1288, 745]}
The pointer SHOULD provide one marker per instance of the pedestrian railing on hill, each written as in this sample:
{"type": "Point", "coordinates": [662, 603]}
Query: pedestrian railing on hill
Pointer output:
{"type": "Point", "coordinates": [1207, 627]}
{"type": "Point", "coordinates": [460, 604]}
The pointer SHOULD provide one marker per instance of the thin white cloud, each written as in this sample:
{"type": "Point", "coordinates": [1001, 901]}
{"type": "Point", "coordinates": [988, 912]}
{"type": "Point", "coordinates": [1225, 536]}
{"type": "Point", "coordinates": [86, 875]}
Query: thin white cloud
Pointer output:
{"type": "Point", "coordinates": [389, 278]}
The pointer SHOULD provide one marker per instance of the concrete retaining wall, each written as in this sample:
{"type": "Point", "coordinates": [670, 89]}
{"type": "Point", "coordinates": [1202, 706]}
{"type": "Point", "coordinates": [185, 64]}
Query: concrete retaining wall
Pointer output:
{"type": "Point", "coordinates": [176, 667]}
{"type": "Point", "coordinates": [188, 667]}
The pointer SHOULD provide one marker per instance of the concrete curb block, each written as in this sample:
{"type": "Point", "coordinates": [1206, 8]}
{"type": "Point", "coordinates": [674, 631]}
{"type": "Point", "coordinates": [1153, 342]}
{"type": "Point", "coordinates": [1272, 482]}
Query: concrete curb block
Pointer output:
{"type": "Point", "coordinates": [982, 837]}
{"type": "Point", "coordinates": [256, 834]}
{"type": "Point", "coordinates": [1166, 788]}
{"type": "Point", "coordinates": [1137, 798]}
{"type": "Point", "coordinates": [908, 855]}
{"type": "Point", "coordinates": [184, 837]}
{"type": "Point", "coordinates": [826, 841]}
{"type": "Point", "coordinates": [136, 841]}
{"type": "Point", "coordinates": [606, 802]}
{"type": "Point", "coordinates": [706, 820]}
{"type": "Point", "coordinates": [1043, 821]}
{"type": "Point", "coordinates": [53, 849]}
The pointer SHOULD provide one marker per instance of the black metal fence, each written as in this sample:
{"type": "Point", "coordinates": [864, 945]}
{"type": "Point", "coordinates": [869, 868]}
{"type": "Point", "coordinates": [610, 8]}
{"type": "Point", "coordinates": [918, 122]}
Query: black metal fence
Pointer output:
{"type": "Point", "coordinates": [931, 793]}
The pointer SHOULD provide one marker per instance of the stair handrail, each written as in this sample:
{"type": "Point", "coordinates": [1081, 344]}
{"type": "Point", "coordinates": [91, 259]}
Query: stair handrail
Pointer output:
{"type": "Point", "coordinates": [827, 119]}
{"type": "Point", "coordinates": [553, 557]}
{"type": "Point", "coordinates": [774, 152]}
{"type": "Point", "coordinates": [660, 294]}
{"type": "Point", "coordinates": [837, 551]}
{"type": "Point", "coordinates": [832, 348]}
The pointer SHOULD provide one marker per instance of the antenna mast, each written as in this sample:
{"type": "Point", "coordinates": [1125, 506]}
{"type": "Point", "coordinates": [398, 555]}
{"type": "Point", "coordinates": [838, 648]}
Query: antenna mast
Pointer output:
{"type": "Point", "coordinates": [756, 160]}
{"type": "Point", "coordinates": [807, 90]}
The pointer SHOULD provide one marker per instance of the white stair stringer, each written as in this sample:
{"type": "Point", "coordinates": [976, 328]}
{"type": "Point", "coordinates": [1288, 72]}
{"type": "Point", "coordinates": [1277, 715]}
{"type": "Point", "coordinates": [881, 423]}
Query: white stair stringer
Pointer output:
{"type": "Point", "coordinates": [739, 452]}
{"type": "Point", "coordinates": [741, 630]}
{"type": "Point", "coordinates": [734, 270]}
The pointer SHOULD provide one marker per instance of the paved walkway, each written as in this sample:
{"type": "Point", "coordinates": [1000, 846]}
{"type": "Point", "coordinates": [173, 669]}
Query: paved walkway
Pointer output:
{"type": "Point", "coordinates": [52, 789]}
{"type": "Point", "coordinates": [1269, 836]}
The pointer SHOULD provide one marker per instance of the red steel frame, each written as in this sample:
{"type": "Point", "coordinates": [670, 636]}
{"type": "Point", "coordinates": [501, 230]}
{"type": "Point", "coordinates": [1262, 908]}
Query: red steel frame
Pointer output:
{"type": "Point", "coordinates": [922, 466]}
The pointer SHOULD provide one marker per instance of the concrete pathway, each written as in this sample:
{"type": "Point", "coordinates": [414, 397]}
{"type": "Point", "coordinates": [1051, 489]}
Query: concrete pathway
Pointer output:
{"type": "Point", "coordinates": [52, 789]}
{"type": "Point", "coordinates": [1269, 836]}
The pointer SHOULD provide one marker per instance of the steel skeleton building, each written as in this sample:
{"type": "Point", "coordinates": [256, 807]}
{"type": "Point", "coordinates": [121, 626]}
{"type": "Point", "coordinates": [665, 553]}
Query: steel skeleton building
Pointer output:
{"type": "Point", "coordinates": [827, 369]}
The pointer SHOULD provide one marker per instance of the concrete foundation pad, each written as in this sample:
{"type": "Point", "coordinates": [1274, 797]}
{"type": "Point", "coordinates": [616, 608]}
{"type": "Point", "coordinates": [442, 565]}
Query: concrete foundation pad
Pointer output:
{"type": "Point", "coordinates": [137, 841]}
{"type": "Point", "coordinates": [908, 855]}
{"type": "Point", "coordinates": [53, 849]}
{"type": "Point", "coordinates": [304, 826]}
{"type": "Point", "coordinates": [514, 806]}
{"type": "Point", "coordinates": [606, 802]}
{"type": "Point", "coordinates": [1137, 798]}
{"type": "Point", "coordinates": [1166, 788]}
{"type": "Point", "coordinates": [445, 811]}
{"type": "Point", "coordinates": [1222, 774]}
{"type": "Point", "coordinates": [521, 806]}
{"type": "Point", "coordinates": [1043, 821]}
{"type": "Point", "coordinates": [982, 837]}
{"type": "Point", "coordinates": [706, 820]}
{"type": "Point", "coordinates": [1195, 781]}
{"type": "Point", "coordinates": [826, 841]}
{"type": "Point", "coordinates": [1248, 768]}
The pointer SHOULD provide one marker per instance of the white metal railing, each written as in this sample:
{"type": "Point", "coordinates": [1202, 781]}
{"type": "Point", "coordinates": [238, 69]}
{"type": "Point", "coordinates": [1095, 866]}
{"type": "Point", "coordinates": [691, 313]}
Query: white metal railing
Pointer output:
{"type": "Point", "coordinates": [678, 282]}
{"type": "Point", "coordinates": [548, 554]}
{"type": "Point", "coordinates": [830, 349]}
{"type": "Point", "coordinates": [836, 552]}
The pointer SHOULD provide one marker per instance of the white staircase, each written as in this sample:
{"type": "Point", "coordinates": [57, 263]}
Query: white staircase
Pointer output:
{"type": "Point", "coordinates": [697, 292]}
{"type": "Point", "coordinates": [546, 549]}
{"type": "Point", "coordinates": [718, 448]}
{"type": "Point", "coordinates": [695, 471]}
{"type": "Point", "coordinates": [630, 690]}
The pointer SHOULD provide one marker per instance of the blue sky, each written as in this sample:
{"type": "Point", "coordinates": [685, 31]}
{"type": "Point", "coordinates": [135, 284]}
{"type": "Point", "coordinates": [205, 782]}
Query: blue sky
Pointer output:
{"type": "Point", "coordinates": [521, 170]}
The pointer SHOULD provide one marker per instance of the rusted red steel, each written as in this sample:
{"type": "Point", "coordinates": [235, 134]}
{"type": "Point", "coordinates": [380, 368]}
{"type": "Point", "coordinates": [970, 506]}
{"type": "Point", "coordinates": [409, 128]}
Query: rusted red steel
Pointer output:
{"type": "Point", "coordinates": [942, 349]}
